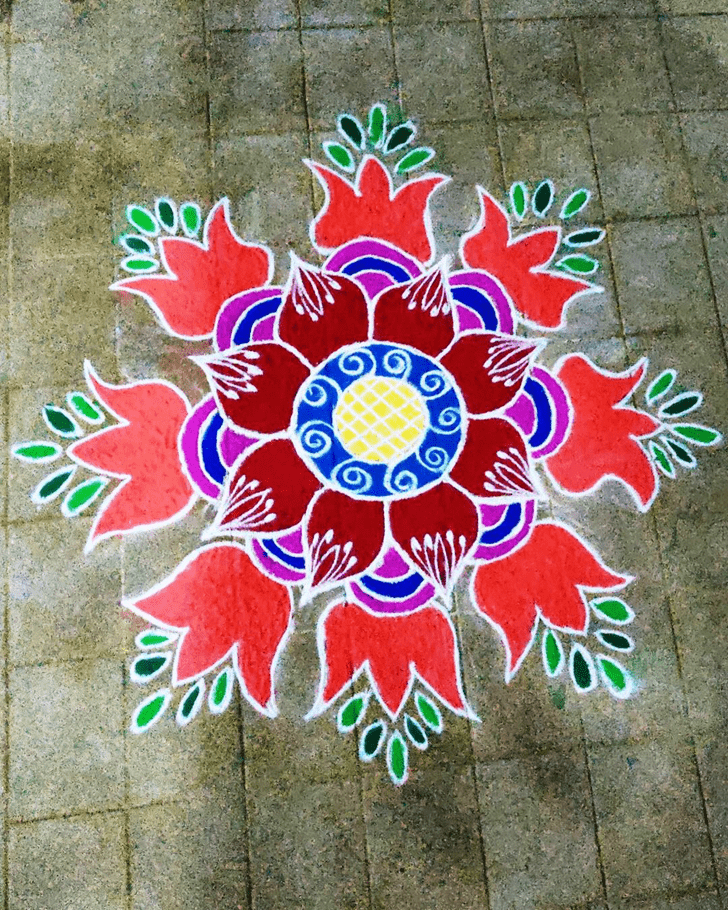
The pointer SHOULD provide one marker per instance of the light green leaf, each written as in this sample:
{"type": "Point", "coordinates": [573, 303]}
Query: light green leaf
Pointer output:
{"type": "Point", "coordinates": [352, 711]}
{"type": "Point", "coordinates": [191, 218]}
{"type": "Point", "coordinates": [139, 265]}
{"type": "Point", "coordinates": [617, 681]}
{"type": "Point", "coordinates": [149, 711]}
{"type": "Point", "coordinates": [699, 436]}
{"type": "Point", "coordinates": [397, 758]}
{"type": "Point", "coordinates": [519, 199]}
{"type": "Point", "coordinates": [613, 609]}
{"type": "Point", "coordinates": [154, 638]}
{"type": "Point", "coordinates": [574, 204]}
{"type": "Point", "coordinates": [659, 456]}
{"type": "Point", "coordinates": [429, 712]}
{"type": "Point", "coordinates": [552, 654]}
{"type": "Point", "coordinates": [415, 159]}
{"type": "Point", "coordinates": [81, 497]}
{"type": "Point", "coordinates": [377, 124]}
{"type": "Point", "coordinates": [660, 386]}
{"type": "Point", "coordinates": [578, 265]}
{"type": "Point", "coordinates": [142, 219]}
{"type": "Point", "coordinates": [340, 155]}
{"type": "Point", "coordinates": [83, 407]}
{"type": "Point", "coordinates": [221, 692]}
{"type": "Point", "coordinates": [39, 452]}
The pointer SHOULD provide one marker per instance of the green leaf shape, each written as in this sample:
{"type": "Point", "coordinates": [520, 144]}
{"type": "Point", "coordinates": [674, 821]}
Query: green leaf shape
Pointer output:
{"type": "Point", "coordinates": [617, 681]}
{"type": "Point", "coordinates": [166, 212]}
{"type": "Point", "coordinates": [53, 485]}
{"type": "Point", "coordinates": [142, 219]}
{"type": "Point", "coordinates": [661, 385]}
{"type": "Point", "coordinates": [542, 198]}
{"type": "Point", "coordinates": [581, 669]}
{"type": "Point", "coordinates": [221, 692]}
{"type": "Point", "coordinates": [191, 218]}
{"type": "Point", "coordinates": [613, 609]}
{"type": "Point", "coordinates": [352, 130]}
{"type": "Point", "coordinates": [60, 422]}
{"type": "Point", "coordinates": [519, 199]}
{"type": "Point", "coordinates": [683, 455]}
{"type": "Point", "coordinates": [574, 204]}
{"type": "Point", "coordinates": [191, 704]}
{"type": "Point", "coordinates": [659, 456]}
{"type": "Point", "coordinates": [429, 712]}
{"type": "Point", "coordinates": [139, 265]}
{"type": "Point", "coordinates": [352, 711]}
{"type": "Point", "coordinates": [552, 653]}
{"type": "Point", "coordinates": [399, 137]}
{"type": "Point", "coordinates": [397, 758]}
{"type": "Point", "coordinates": [617, 641]}
{"type": "Point", "coordinates": [416, 158]}
{"type": "Point", "coordinates": [415, 733]}
{"type": "Point", "coordinates": [698, 435]}
{"type": "Point", "coordinates": [578, 265]}
{"type": "Point", "coordinates": [149, 711]}
{"type": "Point", "coordinates": [154, 638]}
{"type": "Point", "coordinates": [82, 496]}
{"type": "Point", "coordinates": [135, 244]}
{"type": "Point", "coordinates": [149, 666]}
{"type": "Point", "coordinates": [377, 124]}
{"type": "Point", "coordinates": [83, 407]}
{"type": "Point", "coordinates": [372, 740]}
{"type": "Point", "coordinates": [681, 404]}
{"type": "Point", "coordinates": [584, 237]}
{"type": "Point", "coordinates": [38, 452]}
{"type": "Point", "coordinates": [340, 155]}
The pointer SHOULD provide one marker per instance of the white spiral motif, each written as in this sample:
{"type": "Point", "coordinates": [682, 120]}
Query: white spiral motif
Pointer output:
{"type": "Point", "coordinates": [397, 363]}
{"type": "Point", "coordinates": [433, 383]}
{"type": "Point", "coordinates": [448, 420]}
{"type": "Point", "coordinates": [403, 481]}
{"type": "Point", "coordinates": [317, 393]}
{"type": "Point", "coordinates": [353, 476]}
{"type": "Point", "coordinates": [357, 363]}
{"type": "Point", "coordinates": [316, 438]}
{"type": "Point", "coordinates": [434, 458]}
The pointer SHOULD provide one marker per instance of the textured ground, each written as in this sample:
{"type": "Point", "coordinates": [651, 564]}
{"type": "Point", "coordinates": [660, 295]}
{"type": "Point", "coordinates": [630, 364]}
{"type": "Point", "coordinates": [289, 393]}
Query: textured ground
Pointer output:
{"type": "Point", "coordinates": [550, 802]}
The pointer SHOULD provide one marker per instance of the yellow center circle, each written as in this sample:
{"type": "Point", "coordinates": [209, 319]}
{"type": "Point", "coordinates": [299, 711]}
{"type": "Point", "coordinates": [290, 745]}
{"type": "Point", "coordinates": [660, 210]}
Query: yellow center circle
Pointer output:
{"type": "Point", "coordinates": [379, 419]}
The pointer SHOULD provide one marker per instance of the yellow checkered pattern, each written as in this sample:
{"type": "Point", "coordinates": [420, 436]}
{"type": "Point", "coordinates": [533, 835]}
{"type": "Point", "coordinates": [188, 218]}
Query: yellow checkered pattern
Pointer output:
{"type": "Point", "coordinates": [379, 419]}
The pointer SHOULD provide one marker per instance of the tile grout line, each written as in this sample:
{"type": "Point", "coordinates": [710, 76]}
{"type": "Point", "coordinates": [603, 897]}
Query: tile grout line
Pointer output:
{"type": "Point", "coordinates": [693, 747]}
{"type": "Point", "coordinates": [208, 100]}
{"type": "Point", "coordinates": [244, 779]}
{"type": "Point", "coordinates": [306, 106]}
{"type": "Point", "coordinates": [491, 90]}
{"type": "Point", "coordinates": [595, 820]}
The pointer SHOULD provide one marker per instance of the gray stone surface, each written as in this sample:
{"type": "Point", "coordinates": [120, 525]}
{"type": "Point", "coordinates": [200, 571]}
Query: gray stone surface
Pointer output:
{"type": "Point", "coordinates": [550, 801]}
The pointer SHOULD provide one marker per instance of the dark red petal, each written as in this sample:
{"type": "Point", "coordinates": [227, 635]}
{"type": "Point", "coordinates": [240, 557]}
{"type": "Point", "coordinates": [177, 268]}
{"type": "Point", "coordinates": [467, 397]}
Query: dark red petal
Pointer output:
{"type": "Point", "coordinates": [343, 536]}
{"type": "Point", "coordinates": [489, 368]}
{"type": "Point", "coordinates": [269, 491]}
{"type": "Point", "coordinates": [494, 461]}
{"type": "Point", "coordinates": [436, 530]}
{"type": "Point", "coordinates": [255, 385]}
{"type": "Point", "coordinates": [321, 312]}
{"type": "Point", "coordinates": [418, 313]}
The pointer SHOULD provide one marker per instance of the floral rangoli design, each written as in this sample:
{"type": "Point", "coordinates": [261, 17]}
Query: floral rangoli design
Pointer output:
{"type": "Point", "coordinates": [380, 427]}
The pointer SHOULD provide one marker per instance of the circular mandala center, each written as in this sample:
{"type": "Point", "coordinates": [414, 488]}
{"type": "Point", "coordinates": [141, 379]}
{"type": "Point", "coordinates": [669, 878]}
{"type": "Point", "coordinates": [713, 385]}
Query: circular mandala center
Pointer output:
{"type": "Point", "coordinates": [379, 419]}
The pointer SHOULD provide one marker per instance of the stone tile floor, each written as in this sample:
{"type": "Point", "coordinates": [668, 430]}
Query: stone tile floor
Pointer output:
{"type": "Point", "coordinates": [548, 803]}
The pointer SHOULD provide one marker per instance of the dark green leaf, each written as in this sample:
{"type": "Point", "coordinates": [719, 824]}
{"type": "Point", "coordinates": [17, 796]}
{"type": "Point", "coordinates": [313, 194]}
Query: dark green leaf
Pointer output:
{"type": "Point", "coordinates": [60, 422]}
{"type": "Point", "coordinates": [519, 199]}
{"type": "Point", "coordinates": [584, 237]}
{"type": "Point", "coordinates": [81, 497]}
{"type": "Point", "coordinates": [351, 130]}
{"type": "Point", "coordinates": [414, 159]}
{"type": "Point", "coordinates": [581, 667]}
{"type": "Point", "coordinates": [542, 198]}
{"type": "Point", "coordinates": [399, 137]}
{"type": "Point", "coordinates": [36, 452]}
{"type": "Point", "coordinates": [397, 759]}
{"type": "Point", "coordinates": [683, 455]}
{"type": "Point", "coordinates": [150, 710]}
{"type": "Point", "coordinates": [700, 436]}
{"type": "Point", "coordinates": [372, 739]}
{"type": "Point", "coordinates": [377, 124]}
{"type": "Point", "coordinates": [142, 219]}
{"type": "Point", "coordinates": [340, 155]}
{"type": "Point", "coordinates": [661, 385]}
{"type": "Point", "coordinates": [190, 705]}
{"type": "Point", "coordinates": [574, 204]}
{"type": "Point", "coordinates": [613, 609]}
{"type": "Point", "coordinates": [579, 265]}
{"type": "Point", "coordinates": [415, 732]}
{"type": "Point", "coordinates": [166, 213]}
{"type": "Point", "coordinates": [52, 485]}
{"type": "Point", "coordinates": [617, 641]}
{"type": "Point", "coordinates": [134, 243]}
{"type": "Point", "coordinates": [148, 666]}
{"type": "Point", "coordinates": [681, 404]}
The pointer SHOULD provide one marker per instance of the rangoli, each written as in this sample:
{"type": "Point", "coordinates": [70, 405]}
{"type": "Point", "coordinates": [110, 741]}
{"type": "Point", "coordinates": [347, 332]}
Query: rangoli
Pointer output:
{"type": "Point", "coordinates": [381, 426]}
